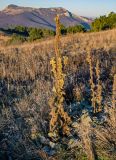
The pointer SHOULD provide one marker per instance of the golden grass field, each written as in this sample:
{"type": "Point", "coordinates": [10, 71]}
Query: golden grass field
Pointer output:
{"type": "Point", "coordinates": [73, 45]}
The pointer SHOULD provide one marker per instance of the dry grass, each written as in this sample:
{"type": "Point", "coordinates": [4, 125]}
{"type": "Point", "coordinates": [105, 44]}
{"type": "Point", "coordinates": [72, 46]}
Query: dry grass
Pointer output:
{"type": "Point", "coordinates": [26, 84]}
{"type": "Point", "coordinates": [3, 39]}
{"type": "Point", "coordinates": [24, 59]}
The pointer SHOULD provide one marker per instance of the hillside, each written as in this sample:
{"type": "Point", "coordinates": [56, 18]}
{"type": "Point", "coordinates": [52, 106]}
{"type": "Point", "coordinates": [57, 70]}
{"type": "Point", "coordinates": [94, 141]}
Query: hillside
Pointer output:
{"type": "Point", "coordinates": [26, 82]}
{"type": "Point", "coordinates": [39, 17]}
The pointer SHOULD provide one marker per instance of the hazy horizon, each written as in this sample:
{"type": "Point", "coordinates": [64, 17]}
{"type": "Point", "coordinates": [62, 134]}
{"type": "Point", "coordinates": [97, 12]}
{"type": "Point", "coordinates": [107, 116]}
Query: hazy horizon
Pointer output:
{"type": "Point", "coordinates": [88, 8]}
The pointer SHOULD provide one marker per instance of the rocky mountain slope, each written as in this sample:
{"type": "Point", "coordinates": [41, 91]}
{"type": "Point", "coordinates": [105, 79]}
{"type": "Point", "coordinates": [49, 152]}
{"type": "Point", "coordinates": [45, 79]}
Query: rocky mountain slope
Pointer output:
{"type": "Point", "coordinates": [39, 17]}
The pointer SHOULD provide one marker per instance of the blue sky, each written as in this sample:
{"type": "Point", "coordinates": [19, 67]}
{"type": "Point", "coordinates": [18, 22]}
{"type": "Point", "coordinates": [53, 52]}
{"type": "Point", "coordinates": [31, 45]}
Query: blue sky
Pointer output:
{"type": "Point", "coordinates": [91, 8]}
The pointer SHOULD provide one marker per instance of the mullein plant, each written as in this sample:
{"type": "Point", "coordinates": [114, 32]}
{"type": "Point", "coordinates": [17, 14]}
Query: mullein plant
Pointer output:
{"type": "Point", "coordinates": [60, 120]}
{"type": "Point", "coordinates": [113, 108]}
{"type": "Point", "coordinates": [114, 93]}
{"type": "Point", "coordinates": [93, 95]}
{"type": "Point", "coordinates": [99, 88]}
{"type": "Point", "coordinates": [96, 89]}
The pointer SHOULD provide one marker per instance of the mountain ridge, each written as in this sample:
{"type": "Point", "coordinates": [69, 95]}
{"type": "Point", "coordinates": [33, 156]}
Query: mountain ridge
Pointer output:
{"type": "Point", "coordinates": [39, 17]}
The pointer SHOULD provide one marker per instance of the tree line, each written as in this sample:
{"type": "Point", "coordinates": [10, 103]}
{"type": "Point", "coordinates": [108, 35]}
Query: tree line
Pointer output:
{"type": "Point", "coordinates": [22, 33]}
{"type": "Point", "coordinates": [104, 22]}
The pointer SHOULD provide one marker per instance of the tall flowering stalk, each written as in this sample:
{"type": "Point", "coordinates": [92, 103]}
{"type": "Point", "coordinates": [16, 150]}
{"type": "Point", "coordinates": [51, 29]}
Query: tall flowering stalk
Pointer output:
{"type": "Point", "coordinates": [96, 89]}
{"type": "Point", "coordinates": [59, 118]}
{"type": "Point", "coordinates": [99, 88]}
{"type": "Point", "coordinates": [114, 93]}
{"type": "Point", "coordinates": [93, 95]}
{"type": "Point", "coordinates": [113, 108]}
